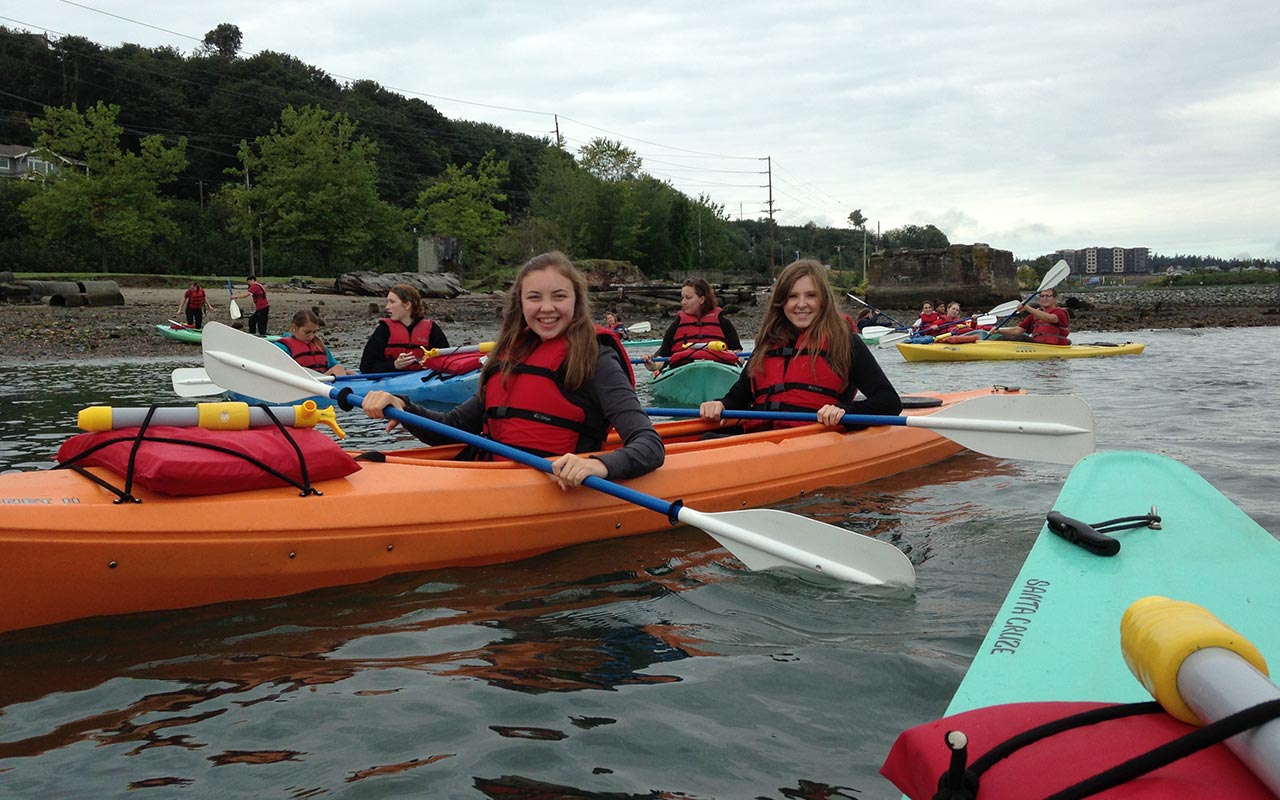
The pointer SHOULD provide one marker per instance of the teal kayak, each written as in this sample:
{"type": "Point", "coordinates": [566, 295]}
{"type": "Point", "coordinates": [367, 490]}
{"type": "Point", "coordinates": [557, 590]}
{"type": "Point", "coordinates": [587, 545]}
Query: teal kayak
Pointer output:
{"type": "Point", "coordinates": [694, 383]}
{"type": "Point", "coordinates": [184, 333]}
{"type": "Point", "coordinates": [1056, 640]}
{"type": "Point", "coordinates": [425, 387]}
{"type": "Point", "coordinates": [641, 342]}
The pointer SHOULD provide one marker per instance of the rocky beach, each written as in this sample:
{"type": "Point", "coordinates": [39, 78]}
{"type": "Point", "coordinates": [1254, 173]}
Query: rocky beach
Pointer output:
{"type": "Point", "coordinates": [36, 333]}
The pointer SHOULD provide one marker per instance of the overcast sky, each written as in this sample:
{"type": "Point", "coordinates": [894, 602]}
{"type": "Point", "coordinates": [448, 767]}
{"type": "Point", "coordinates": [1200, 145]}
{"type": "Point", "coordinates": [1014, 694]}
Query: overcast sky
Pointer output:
{"type": "Point", "coordinates": [1031, 126]}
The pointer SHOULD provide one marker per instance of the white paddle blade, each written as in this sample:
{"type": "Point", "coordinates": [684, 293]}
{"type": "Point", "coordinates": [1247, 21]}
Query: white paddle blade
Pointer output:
{"type": "Point", "coordinates": [194, 382]}
{"type": "Point", "coordinates": [246, 364]}
{"type": "Point", "coordinates": [234, 309]}
{"type": "Point", "coordinates": [1055, 275]}
{"type": "Point", "coordinates": [1003, 309]}
{"type": "Point", "coordinates": [876, 330]}
{"type": "Point", "coordinates": [1015, 426]}
{"type": "Point", "coordinates": [765, 538]}
{"type": "Point", "coordinates": [640, 327]}
{"type": "Point", "coordinates": [893, 338]}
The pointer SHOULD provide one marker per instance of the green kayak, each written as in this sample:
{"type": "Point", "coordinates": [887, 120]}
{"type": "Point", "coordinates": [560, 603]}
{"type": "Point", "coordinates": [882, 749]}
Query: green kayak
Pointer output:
{"type": "Point", "coordinates": [693, 384]}
{"type": "Point", "coordinates": [185, 333]}
{"type": "Point", "coordinates": [1056, 643]}
{"type": "Point", "coordinates": [641, 342]}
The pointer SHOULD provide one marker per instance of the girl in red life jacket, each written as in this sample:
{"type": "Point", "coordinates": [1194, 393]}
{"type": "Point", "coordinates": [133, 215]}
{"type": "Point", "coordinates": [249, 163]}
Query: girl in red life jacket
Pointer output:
{"type": "Point", "coordinates": [701, 320]}
{"type": "Point", "coordinates": [397, 342]}
{"type": "Point", "coordinates": [194, 302]}
{"type": "Point", "coordinates": [554, 384]}
{"type": "Point", "coordinates": [261, 306]}
{"type": "Point", "coordinates": [806, 357]}
{"type": "Point", "coordinates": [306, 346]}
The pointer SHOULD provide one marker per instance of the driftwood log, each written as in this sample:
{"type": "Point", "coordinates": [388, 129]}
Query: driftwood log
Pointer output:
{"type": "Point", "coordinates": [377, 284]}
{"type": "Point", "coordinates": [71, 294]}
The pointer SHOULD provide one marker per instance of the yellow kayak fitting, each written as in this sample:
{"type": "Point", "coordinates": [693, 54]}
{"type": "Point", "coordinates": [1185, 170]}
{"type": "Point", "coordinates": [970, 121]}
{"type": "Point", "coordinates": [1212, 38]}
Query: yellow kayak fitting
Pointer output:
{"type": "Point", "coordinates": [222, 416]}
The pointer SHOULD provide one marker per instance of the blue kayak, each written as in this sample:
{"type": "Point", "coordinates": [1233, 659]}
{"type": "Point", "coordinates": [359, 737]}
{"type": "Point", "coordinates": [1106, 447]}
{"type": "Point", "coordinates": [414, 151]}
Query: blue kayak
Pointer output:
{"type": "Point", "coordinates": [425, 387]}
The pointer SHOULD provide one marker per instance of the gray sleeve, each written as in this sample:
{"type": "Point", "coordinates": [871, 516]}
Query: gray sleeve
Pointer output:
{"type": "Point", "coordinates": [467, 416]}
{"type": "Point", "coordinates": [642, 449]}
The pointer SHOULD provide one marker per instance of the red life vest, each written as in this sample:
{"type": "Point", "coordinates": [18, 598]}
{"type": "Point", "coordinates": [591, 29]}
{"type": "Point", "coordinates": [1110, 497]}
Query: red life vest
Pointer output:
{"type": "Point", "coordinates": [403, 339]}
{"type": "Point", "coordinates": [930, 319]}
{"type": "Point", "coordinates": [790, 379]}
{"type": "Point", "coordinates": [306, 353]}
{"type": "Point", "coordinates": [532, 410]}
{"type": "Point", "coordinates": [691, 330]}
{"type": "Point", "coordinates": [1051, 332]}
{"type": "Point", "coordinates": [259, 294]}
{"type": "Point", "coordinates": [195, 299]}
{"type": "Point", "coordinates": [920, 756]}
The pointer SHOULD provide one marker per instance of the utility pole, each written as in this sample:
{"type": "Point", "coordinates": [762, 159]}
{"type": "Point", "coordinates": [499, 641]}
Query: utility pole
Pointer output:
{"type": "Point", "coordinates": [559, 143]}
{"type": "Point", "coordinates": [252, 272]}
{"type": "Point", "coordinates": [838, 262]}
{"type": "Point", "coordinates": [864, 252]}
{"type": "Point", "coordinates": [769, 160]}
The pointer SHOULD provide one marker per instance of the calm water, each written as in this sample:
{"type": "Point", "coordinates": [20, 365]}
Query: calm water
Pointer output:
{"type": "Point", "coordinates": [644, 667]}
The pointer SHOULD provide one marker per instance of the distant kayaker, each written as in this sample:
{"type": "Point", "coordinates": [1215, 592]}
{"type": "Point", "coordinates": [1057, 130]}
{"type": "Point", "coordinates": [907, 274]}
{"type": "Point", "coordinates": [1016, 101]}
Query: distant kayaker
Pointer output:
{"type": "Point", "coordinates": [806, 358]}
{"type": "Point", "coordinates": [867, 318]}
{"type": "Point", "coordinates": [194, 302]}
{"type": "Point", "coordinates": [699, 322]}
{"type": "Point", "coordinates": [398, 341]}
{"type": "Point", "coordinates": [612, 322]}
{"type": "Point", "coordinates": [303, 342]}
{"type": "Point", "coordinates": [928, 316]}
{"type": "Point", "coordinates": [1048, 324]}
{"type": "Point", "coordinates": [555, 385]}
{"type": "Point", "coordinates": [261, 306]}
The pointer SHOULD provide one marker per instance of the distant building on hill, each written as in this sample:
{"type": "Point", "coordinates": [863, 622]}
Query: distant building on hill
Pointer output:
{"type": "Point", "coordinates": [27, 162]}
{"type": "Point", "coordinates": [1099, 261]}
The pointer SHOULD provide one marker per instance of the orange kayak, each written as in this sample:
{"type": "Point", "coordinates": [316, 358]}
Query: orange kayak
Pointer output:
{"type": "Point", "coordinates": [72, 552]}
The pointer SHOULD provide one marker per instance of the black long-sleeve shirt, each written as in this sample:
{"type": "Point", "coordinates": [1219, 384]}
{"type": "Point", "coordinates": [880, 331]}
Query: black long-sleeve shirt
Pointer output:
{"type": "Point", "coordinates": [374, 358]}
{"type": "Point", "coordinates": [865, 375]}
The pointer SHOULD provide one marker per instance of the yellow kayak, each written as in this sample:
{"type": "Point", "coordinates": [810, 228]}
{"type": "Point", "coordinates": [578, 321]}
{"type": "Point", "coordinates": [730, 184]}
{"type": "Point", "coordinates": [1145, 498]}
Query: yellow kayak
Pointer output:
{"type": "Point", "coordinates": [1012, 351]}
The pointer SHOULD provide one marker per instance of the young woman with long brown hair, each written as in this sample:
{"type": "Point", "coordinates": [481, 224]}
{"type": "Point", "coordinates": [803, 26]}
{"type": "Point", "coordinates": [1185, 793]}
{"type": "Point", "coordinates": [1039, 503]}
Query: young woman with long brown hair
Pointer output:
{"type": "Point", "coordinates": [808, 358]}
{"type": "Point", "coordinates": [554, 385]}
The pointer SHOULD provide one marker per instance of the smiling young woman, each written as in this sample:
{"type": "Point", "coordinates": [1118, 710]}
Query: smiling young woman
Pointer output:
{"type": "Point", "coordinates": [555, 385]}
{"type": "Point", "coordinates": [807, 357]}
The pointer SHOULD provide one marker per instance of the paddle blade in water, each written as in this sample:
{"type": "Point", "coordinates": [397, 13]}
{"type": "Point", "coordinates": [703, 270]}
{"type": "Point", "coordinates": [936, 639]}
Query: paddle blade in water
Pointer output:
{"type": "Point", "coordinates": [765, 538]}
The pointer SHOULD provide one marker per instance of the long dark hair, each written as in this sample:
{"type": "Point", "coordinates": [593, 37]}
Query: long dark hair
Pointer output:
{"type": "Point", "coordinates": [515, 341]}
{"type": "Point", "coordinates": [829, 331]}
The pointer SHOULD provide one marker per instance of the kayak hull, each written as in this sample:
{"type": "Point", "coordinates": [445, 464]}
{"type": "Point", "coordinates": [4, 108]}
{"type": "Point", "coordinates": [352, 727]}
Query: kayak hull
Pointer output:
{"type": "Point", "coordinates": [989, 350]}
{"type": "Point", "coordinates": [692, 384]}
{"type": "Point", "coordinates": [1054, 648]}
{"type": "Point", "coordinates": [1208, 552]}
{"type": "Point", "coordinates": [191, 335]}
{"type": "Point", "coordinates": [420, 386]}
{"type": "Point", "coordinates": [72, 552]}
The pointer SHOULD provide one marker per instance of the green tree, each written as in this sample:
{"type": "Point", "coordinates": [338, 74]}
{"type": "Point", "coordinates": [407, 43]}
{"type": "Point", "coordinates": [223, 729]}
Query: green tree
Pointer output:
{"type": "Point", "coordinates": [109, 204]}
{"type": "Point", "coordinates": [609, 161]}
{"type": "Point", "coordinates": [464, 202]}
{"type": "Point", "coordinates": [915, 237]}
{"type": "Point", "coordinates": [313, 192]}
{"type": "Point", "coordinates": [224, 40]}
{"type": "Point", "coordinates": [856, 219]}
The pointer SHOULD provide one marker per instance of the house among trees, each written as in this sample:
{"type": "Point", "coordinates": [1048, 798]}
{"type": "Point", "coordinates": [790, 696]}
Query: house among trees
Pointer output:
{"type": "Point", "coordinates": [26, 162]}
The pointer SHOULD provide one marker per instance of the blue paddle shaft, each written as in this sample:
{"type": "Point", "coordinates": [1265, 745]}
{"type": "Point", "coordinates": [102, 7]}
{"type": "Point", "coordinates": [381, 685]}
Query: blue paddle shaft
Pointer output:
{"type": "Point", "coordinates": [669, 510]}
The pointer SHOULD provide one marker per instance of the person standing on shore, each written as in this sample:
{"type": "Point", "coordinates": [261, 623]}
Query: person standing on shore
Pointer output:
{"type": "Point", "coordinates": [401, 336]}
{"type": "Point", "coordinates": [194, 302]}
{"type": "Point", "coordinates": [261, 306]}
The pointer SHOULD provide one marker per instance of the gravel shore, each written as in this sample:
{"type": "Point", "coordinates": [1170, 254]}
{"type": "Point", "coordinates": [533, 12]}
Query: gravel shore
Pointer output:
{"type": "Point", "coordinates": [37, 333]}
